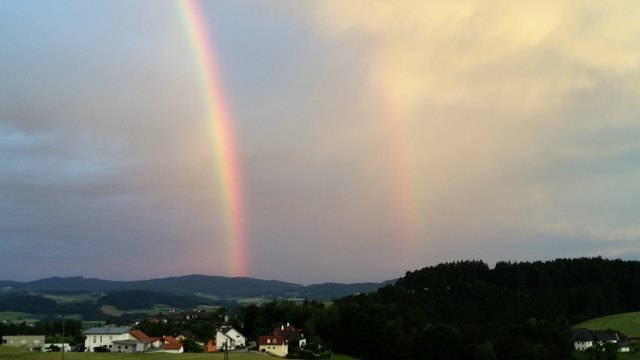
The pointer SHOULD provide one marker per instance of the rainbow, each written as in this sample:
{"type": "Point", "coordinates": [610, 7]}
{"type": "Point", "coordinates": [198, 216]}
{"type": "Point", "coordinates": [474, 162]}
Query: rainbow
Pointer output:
{"type": "Point", "coordinates": [221, 131]}
{"type": "Point", "coordinates": [396, 124]}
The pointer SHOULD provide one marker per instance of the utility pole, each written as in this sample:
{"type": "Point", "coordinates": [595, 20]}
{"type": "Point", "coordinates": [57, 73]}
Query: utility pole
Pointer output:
{"type": "Point", "coordinates": [62, 352]}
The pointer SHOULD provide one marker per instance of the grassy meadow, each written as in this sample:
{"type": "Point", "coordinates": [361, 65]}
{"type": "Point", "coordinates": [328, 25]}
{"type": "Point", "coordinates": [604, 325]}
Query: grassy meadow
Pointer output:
{"type": "Point", "coordinates": [619, 356]}
{"type": "Point", "coordinates": [14, 316]}
{"type": "Point", "coordinates": [628, 323]}
{"type": "Point", "coordinates": [16, 353]}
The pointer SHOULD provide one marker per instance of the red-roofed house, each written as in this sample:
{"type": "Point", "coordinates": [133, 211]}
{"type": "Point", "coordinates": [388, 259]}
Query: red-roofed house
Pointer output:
{"type": "Point", "coordinates": [141, 336]}
{"type": "Point", "coordinates": [274, 345]}
{"type": "Point", "coordinates": [171, 345]}
{"type": "Point", "coordinates": [294, 336]}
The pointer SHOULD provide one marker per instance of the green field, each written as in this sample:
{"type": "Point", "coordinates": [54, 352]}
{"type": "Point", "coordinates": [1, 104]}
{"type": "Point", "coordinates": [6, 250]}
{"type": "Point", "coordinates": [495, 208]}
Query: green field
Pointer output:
{"type": "Point", "coordinates": [16, 353]}
{"type": "Point", "coordinates": [628, 323]}
{"type": "Point", "coordinates": [13, 316]}
{"type": "Point", "coordinates": [620, 356]}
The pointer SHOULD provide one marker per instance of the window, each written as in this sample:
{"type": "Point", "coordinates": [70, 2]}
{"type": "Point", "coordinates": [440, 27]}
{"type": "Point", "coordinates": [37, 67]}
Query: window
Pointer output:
{"type": "Point", "coordinates": [23, 342]}
{"type": "Point", "coordinates": [94, 339]}
{"type": "Point", "coordinates": [36, 342]}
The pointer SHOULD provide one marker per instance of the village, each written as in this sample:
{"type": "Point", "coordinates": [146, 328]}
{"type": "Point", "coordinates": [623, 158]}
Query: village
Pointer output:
{"type": "Point", "coordinates": [278, 342]}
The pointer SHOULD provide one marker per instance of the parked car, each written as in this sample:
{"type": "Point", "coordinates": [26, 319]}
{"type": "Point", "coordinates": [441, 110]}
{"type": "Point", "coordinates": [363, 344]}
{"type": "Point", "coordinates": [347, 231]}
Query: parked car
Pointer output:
{"type": "Point", "coordinates": [101, 349]}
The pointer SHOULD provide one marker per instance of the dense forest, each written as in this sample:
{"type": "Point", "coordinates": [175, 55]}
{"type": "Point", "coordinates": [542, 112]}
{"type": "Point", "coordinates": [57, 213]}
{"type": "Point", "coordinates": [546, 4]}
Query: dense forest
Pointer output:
{"type": "Point", "coordinates": [467, 310]}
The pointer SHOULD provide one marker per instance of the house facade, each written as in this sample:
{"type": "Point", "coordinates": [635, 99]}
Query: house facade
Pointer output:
{"type": "Point", "coordinates": [27, 341]}
{"type": "Point", "coordinates": [274, 345]}
{"type": "Point", "coordinates": [126, 340]}
{"type": "Point", "coordinates": [228, 338]}
{"type": "Point", "coordinates": [105, 336]}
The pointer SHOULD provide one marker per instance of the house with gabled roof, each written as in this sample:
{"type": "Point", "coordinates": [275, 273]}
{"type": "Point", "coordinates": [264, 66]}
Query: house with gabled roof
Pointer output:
{"type": "Point", "coordinates": [169, 344]}
{"type": "Point", "coordinates": [584, 339]}
{"type": "Point", "coordinates": [294, 337]}
{"type": "Point", "coordinates": [228, 338]}
{"type": "Point", "coordinates": [274, 345]}
{"type": "Point", "coordinates": [127, 340]}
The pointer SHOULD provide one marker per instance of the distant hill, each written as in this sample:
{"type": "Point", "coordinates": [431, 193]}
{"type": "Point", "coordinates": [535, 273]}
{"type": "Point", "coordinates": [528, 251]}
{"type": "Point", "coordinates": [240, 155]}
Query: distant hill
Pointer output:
{"type": "Point", "coordinates": [219, 286]}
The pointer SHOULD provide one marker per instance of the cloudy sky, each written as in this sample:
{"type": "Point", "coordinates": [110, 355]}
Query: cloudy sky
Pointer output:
{"type": "Point", "coordinates": [372, 137]}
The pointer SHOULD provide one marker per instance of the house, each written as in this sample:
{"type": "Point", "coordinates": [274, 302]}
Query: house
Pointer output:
{"type": "Point", "coordinates": [127, 340]}
{"type": "Point", "coordinates": [584, 339]}
{"type": "Point", "coordinates": [169, 344]}
{"type": "Point", "coordinates": [28, 341]}
{"type": "Point", "coordinates": [136, 342]}
{"type": "Point", "coordinates": [105, 336]}
{"type": "Point", "coordinates": [294, 337]}
{"type": "Point", "coordinates": [274, 345]}
{"type": "Point", "coordinates": [228, 338]}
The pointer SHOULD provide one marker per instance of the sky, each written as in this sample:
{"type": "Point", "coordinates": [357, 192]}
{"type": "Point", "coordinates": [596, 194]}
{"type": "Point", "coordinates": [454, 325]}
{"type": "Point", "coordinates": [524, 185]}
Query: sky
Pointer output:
{"type": "Point", "coordinates": [366, 138]}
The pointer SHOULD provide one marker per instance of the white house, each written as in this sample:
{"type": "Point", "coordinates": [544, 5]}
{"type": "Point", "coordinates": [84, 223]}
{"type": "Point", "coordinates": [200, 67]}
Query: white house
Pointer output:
{"type": "Point", "coordinates": [105, 336]}
{"type": "Point", "coordinates": [584, 339]}
{"type": "Point", "coordinates": [229, 338]}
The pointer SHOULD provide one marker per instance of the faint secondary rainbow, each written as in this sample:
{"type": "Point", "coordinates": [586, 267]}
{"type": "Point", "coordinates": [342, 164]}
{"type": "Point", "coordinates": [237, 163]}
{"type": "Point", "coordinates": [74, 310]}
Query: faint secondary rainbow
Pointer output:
{"type": "Point", "coordinates": [396, 123]}
{"type": "Point", "coordinates": [221, 131]}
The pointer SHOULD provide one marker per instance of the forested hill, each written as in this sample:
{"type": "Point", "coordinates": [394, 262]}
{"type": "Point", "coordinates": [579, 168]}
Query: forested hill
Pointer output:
{"type": "Point", "coordinates": [467, 310]}
{"type": "Point", "coordinates": [220, 286]}
{"type": "Point", "coordinates": [585, 287]}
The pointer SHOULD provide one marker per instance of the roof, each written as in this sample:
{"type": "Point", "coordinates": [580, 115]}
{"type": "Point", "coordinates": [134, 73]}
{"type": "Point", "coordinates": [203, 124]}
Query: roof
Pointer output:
{"type": "Point", "coordinates": [172, 346]}
{"type": "Point", "coordinates": [271, 340]}
{"type": "Point", "coordinates": [109, 330]}
{"type": "Point", "coordinates": [606, 335]}
{"type": "Point", "coordinates": [582, 335]}
{"type": "Point", "coordinates": [224, 329]}
{"type": "Point", "coordinates": [289, 332]}
{"type": "Point", "coordinates": [140, 335]}
{"type": "Point", "coordinates": [170, 339]}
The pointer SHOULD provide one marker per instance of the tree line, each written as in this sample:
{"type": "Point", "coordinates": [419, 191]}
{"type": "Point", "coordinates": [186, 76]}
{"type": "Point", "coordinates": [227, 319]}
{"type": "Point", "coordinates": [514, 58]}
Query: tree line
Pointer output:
{"type": "Point", "coordinates": [466, 310]}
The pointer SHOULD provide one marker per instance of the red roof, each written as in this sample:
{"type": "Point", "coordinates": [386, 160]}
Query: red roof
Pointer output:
{"type": "Point", "coordinates": [271, 340]}
{"type": "Point", "coordinates": [170, 339]}
{"type": "Point", "coordinates": [140, 335]}
{"type": "Point", "coordinates": [172, 346]}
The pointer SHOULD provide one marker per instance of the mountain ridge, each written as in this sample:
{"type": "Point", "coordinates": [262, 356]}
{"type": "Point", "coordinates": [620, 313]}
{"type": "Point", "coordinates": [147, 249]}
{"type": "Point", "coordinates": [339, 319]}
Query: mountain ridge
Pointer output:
{"type": "Point", "coordinates": [220, 286]}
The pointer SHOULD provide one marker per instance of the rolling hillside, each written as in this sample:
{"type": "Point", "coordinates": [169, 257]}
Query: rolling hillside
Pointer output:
{"type": "Point", "coordinates": [224, 289]}
{"type": "Point", "coordinates": [628, 323]}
